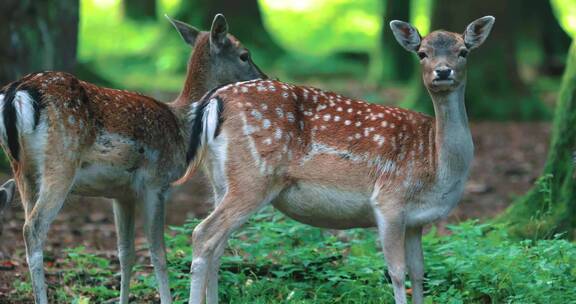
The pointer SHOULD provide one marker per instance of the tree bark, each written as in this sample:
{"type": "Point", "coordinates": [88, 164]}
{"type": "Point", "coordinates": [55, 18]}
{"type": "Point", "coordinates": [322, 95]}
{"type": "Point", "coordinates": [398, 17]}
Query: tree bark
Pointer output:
{"type": "Point", "coordinates": [541, 31]}
{"type": "Point", "coordinates": [494, 87]}
{"type": "Point", "coordinates": [550, 206]}
{"type": "Point", "coordinates": [38, 35]}
{"type": "Point", "coordinates": [140, 10]}
{"type": "Point", "coordinates": [398, 64]}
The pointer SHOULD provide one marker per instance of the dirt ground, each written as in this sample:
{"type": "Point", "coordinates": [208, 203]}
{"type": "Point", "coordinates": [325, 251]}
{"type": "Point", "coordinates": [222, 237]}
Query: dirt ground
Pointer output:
{"type": "Point", "coordinates": [509, 157]}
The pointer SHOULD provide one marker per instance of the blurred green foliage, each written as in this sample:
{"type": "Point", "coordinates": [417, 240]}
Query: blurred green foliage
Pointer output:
{"type": "Point", "coordinates": [150, 56]}
{"type": "Point", "coordinates": [327, 42]}
{"type": "Point", "coordinates": [565, 11]}
{"type": "Point", "coordinates": [132, 55]}
{"type": "Point", "coordinates": [325, 26]}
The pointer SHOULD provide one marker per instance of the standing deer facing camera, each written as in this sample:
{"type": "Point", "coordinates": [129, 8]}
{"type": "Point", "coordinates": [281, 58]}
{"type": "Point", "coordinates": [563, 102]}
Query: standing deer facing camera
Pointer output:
{"type": "Point", "coordinates": [333, 162]}
{"type": "Point", "coordinates": [64, 136]}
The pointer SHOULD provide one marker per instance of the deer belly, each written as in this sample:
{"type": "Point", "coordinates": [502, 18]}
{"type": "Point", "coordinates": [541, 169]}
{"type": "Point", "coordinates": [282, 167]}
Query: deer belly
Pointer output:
{"type": "Point", "coordinates": [101, 180]}
{"type": "Point", "coordinates": [326, 207]}
{"type": "Point", "coordinates": [110, 167]}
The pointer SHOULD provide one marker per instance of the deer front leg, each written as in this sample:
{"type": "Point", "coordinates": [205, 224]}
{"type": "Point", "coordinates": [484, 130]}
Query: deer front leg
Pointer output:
{"type": "Point", "coordinates": [53, 191]}
{"type": "Point", "coordinates": [154, 222]}
{"type": "Point", "coordinates": [391, 230]}
{"type": "Point", "coordinates": [415, 260]}
{"type": "Point", "coordinates": [124, 219]}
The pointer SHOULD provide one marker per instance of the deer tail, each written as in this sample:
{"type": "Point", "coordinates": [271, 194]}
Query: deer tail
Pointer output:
{"type": "Point", "coordinates": [206, 117]}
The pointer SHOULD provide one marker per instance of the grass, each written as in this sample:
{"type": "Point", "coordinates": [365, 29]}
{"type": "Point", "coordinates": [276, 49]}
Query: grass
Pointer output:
{"type": "Point", "coordinates": [276, 260]}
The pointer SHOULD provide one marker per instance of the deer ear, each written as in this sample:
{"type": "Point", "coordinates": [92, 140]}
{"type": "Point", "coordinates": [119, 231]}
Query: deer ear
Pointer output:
{"type": "Point", "coordinates": [6, 194]}
{"type": "Point", "coordinates": [218, 32]}
{"type": "Point", "coordinates": [188, 32]}
{"type": "Point", "coordinates": [406, 35]}
{"type": "Point", "coordinates": [477, 31]}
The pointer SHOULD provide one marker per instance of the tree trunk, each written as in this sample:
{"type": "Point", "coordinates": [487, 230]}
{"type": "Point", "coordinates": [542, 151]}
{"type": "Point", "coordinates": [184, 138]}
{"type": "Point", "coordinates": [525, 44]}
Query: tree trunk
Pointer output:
{"type": "Point", "coordinates": [550, 207]}
{"type": "Point", "coordinates": [494, 87]}
{"type": "Point", "coordinates": [398, 64]}
{"type": "Point", "coordinates": [541, 31]}
{"type": "Point", "coordinates": [38, 35]}
{"type": "Point", "coordinates": [140, 10]}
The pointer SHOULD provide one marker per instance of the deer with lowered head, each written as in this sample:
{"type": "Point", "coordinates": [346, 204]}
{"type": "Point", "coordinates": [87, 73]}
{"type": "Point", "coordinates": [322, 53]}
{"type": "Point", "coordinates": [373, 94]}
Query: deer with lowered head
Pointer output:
{"type": "Point", "coordinates": [66, 136]}
{"type": "Point", "coordinates": [335, 162]}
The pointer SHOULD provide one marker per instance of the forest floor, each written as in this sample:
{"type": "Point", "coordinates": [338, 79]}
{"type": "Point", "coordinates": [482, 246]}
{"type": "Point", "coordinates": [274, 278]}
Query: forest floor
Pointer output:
{"type": "Point", "coordinates": [509, 157]}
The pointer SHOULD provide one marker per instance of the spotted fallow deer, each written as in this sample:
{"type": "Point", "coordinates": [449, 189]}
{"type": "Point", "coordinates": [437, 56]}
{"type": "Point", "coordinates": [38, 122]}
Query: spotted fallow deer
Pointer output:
{"type": "Point", "coordinates": [64, 135]}
{"type": "Point", "coordinates": [335, 162]}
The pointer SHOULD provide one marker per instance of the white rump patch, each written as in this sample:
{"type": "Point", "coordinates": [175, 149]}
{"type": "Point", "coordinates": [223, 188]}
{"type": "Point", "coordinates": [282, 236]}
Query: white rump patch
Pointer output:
{"type": "Point", "coordinates": [24, 105]}
{"type": "Point", "coordinates": [210, 121]}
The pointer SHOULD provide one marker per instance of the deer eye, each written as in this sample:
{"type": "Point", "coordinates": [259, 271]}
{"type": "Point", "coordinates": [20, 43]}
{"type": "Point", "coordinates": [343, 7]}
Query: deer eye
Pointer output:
{"type": "Point", "coordinates": [463, 53]}
{"type": "Point", "coordinates": [245, 56]}
{"type": "Point", "coordinates": [422, 55]}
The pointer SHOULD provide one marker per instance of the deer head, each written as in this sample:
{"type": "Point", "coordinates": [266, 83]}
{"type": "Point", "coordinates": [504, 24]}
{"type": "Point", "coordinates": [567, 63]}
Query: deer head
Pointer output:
{"type": "Point", "coordinates": [218, 58]}
{"type": "Point", "coordinates": [443, 54]}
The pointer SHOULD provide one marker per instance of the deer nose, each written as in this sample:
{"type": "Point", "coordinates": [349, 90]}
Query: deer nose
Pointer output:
{"type": "Point", "coordinates": [443, 73]}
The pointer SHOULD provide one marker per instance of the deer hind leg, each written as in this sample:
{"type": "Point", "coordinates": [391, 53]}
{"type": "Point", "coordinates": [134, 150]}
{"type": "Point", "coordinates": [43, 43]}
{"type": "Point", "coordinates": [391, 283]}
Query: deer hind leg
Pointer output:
{"type": "Point", "coordinates": [54, 188]}
{"type": "Point", "coordinates": [415, 259]}
{"type": "Point", "coordinates": [28, 190]}
{"type": "Point", "coordinates": [154, 221]}
{"type": "Point", "coordinates": [214, 267]}
{"type": "Point", "coordinates": [391, 230]}
{"type": "Point", "coordinates": [210, 237]}
{"type": "Point", "coordinates": [124, 218]}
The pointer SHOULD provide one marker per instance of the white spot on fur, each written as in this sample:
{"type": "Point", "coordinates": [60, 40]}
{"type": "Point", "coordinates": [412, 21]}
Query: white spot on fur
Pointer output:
{"type": "Point", "coordinates": [266, 124]}
{"type": "Point", "coordinates": [256, 114]}
{"type": "Point", "coordinates": [278, 134]}
{"type": "Point", "coordinates": [290, 116]}
{"type": "Point", "coordinates": [326, 117]}
{"type": "Point", "coordinates": [347, 122]}
{"type": "Point", "coordinates": [279, 113]}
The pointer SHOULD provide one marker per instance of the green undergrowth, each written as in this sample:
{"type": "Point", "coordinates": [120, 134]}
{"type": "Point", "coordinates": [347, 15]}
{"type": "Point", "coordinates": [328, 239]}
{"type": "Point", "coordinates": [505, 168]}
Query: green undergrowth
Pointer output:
{"type": "Point", "coordinates": [276, 260]}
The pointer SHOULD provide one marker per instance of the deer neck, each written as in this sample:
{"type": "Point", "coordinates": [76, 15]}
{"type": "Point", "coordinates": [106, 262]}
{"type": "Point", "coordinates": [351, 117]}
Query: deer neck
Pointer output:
{"type": "Point", "coordinates": [195, 86]}
{"type": "Point", "coordinates": [197, 81]}
{"type": "Point", "coordinates": [454, 146]}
